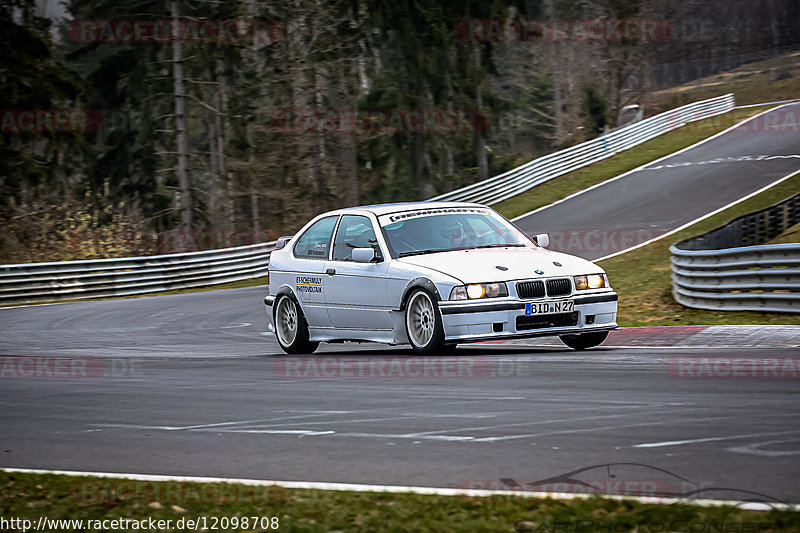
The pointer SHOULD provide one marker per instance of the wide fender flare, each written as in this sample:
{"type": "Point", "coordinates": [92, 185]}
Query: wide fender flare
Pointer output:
{"type": "Point", "coordinates": [398, 320]}
{"type": "Point", "coordinates": [415, 283]}
{"type": "Point", "coordinates": [286, 290]}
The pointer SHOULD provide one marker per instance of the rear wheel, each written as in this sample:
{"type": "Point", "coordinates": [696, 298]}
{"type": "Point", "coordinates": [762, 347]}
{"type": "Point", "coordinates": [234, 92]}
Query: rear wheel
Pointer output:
{"type": "Point", "coordinates": [584, 340]}
{"type": "Point", "coordinates": [291, 327]}
{"type": "Point", "coordinates": [424, 323]}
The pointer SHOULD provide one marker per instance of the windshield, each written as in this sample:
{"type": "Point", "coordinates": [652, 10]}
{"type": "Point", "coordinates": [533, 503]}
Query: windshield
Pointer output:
{"type": "Point", "coordinates": [447, 229]}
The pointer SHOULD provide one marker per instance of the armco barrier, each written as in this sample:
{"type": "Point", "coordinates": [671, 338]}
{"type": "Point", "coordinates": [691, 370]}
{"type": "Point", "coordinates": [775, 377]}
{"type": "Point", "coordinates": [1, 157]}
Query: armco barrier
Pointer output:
{"type": "Point", "coordinates": [99, 278]}
{"type": "Point", "coordinates": [538, 171]}
{"type": "Point", "coordinates": [713, 270]}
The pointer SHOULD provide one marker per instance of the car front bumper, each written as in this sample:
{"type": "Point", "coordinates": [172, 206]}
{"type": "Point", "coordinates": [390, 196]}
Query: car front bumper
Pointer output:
{"type": "Point", "coordinates": [487, 320]}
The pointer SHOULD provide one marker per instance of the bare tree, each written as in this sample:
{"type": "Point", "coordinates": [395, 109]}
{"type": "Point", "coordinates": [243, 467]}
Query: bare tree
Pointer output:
{"type": "Point", "coordinates": [181, 135]}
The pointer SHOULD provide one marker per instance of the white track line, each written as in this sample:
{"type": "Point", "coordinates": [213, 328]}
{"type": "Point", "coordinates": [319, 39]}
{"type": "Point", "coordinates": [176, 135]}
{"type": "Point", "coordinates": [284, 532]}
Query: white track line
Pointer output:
{"type": "Point", "coordinates": [399, 489]}
{"type": "Point", "coordinates": [710, 439]}
{"type": "Point", "coordinates": [637, 169]}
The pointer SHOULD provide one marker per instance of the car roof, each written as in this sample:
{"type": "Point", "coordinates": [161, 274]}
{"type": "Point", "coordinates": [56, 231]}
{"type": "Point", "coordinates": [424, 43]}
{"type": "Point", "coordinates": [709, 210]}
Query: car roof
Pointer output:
{"type": "Point", "coordinates": [383, 209]}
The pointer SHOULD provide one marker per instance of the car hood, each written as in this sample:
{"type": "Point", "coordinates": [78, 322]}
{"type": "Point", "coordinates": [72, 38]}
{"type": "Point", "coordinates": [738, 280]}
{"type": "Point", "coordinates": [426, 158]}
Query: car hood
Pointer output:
{"type": "Point", "coordinates": [481, 265]}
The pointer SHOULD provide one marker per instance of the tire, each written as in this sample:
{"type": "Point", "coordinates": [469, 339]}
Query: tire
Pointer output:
{"type": "Point", "coordinates": [291, 327]}
{"type": "Point", "coordinates": [423, 323]}
{"type": "Point", "coordinates": [585, 340]}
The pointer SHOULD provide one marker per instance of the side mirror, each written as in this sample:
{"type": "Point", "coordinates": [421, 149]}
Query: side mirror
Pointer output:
{"type": "Point", "coordinates": [542, 239]}
{"type": "Point", "coordinates": [280, 244]}
{"type": "Point", "coordinates": [364, 255]}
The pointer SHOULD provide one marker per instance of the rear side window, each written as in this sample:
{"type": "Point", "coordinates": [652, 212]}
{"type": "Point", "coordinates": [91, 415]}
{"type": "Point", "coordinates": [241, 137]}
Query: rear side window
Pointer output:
{"type": "Point", "coordinates": [315, 242]}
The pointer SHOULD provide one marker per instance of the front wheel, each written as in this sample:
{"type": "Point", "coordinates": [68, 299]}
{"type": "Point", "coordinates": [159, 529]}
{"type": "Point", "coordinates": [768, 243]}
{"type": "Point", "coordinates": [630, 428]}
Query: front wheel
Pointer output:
{"type": "Point", "coordinates": [584, 340]}
{"type": "Point", "coordinates": [291, 327]}
{"type": "Point", "coordinates": [424, 323]}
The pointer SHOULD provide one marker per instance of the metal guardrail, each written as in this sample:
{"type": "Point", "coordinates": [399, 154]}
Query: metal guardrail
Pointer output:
{"type": "Point", "coordinates": [102, 278]}
{"type": "Point", "coordinates": [713, 270]}
{"type": "Point", "coordinates": [538, 171]}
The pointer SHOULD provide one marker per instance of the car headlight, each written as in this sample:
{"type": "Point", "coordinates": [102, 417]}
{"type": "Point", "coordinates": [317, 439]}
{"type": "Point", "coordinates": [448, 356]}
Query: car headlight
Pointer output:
{"type": "Point", "coordinates": [477, 291]}
{"type": "Point", "coordinates": [592, 281]}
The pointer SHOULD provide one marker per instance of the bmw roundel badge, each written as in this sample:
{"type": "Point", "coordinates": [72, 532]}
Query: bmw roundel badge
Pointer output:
{"type": "Point", "coordinates": [540, 272]}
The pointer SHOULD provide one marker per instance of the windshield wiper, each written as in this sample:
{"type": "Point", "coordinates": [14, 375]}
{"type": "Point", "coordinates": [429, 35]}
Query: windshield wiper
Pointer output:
{"type": "Point", "coordinates": [433, 251]}
{"type": "Point", "coordinates": [438, 250]}
{"type": "Point", "coordinates": [516, 245]}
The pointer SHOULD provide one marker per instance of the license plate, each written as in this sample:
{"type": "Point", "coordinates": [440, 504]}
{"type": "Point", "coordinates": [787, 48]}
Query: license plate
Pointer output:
{"type": "Point", "coordinates": [547, 308]}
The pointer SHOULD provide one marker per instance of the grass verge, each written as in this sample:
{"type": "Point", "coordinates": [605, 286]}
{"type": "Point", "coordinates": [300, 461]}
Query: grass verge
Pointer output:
{"type": "Point", "coordinates": [643, 279]}
{"type": "Point", "coordinates": [790, 235]}
{"type": "Point", "coordinates": [583, 178]}
{"type": "Point", "coordinates": [31, 496]}
{"type": "Point", "coordinates": [772, 80]}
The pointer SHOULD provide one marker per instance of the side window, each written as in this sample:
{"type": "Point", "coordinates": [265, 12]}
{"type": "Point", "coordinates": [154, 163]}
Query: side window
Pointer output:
{"type": "Point", "coordinates": [354, 231]}
{"type": "Point", "coordinates": [314, 243]}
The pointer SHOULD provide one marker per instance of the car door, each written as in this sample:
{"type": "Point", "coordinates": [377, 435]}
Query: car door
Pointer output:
{"type": "Point", "coordinates": [308, 278]}
{"type": "Point", "coordinates": [356, 292]}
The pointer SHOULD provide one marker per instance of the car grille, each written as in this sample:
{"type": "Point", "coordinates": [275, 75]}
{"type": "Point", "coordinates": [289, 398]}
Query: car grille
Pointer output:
{"type": "Point", "coordinates": [561, 320]}
{"type": "Point", "coordinates": [530, 289]}
{"type": "Point", "coordinates": [558, 287]}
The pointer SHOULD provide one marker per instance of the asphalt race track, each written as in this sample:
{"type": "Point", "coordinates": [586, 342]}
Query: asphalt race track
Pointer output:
{"type": "Point", "coordinates": [189, 385]}
{"type": "Point", "coordinates": [667, 194]}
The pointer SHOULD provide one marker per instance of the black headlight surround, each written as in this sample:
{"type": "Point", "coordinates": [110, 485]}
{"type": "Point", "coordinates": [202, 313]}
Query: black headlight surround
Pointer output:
{"type": "Point", "coordinates": [590, 282]}
{"type": "Point", "coordinates": [479, 291]}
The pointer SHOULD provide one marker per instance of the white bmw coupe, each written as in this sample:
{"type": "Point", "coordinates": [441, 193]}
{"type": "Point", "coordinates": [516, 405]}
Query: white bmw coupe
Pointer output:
{"type": "Point", "coordinates": [431, 275]}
